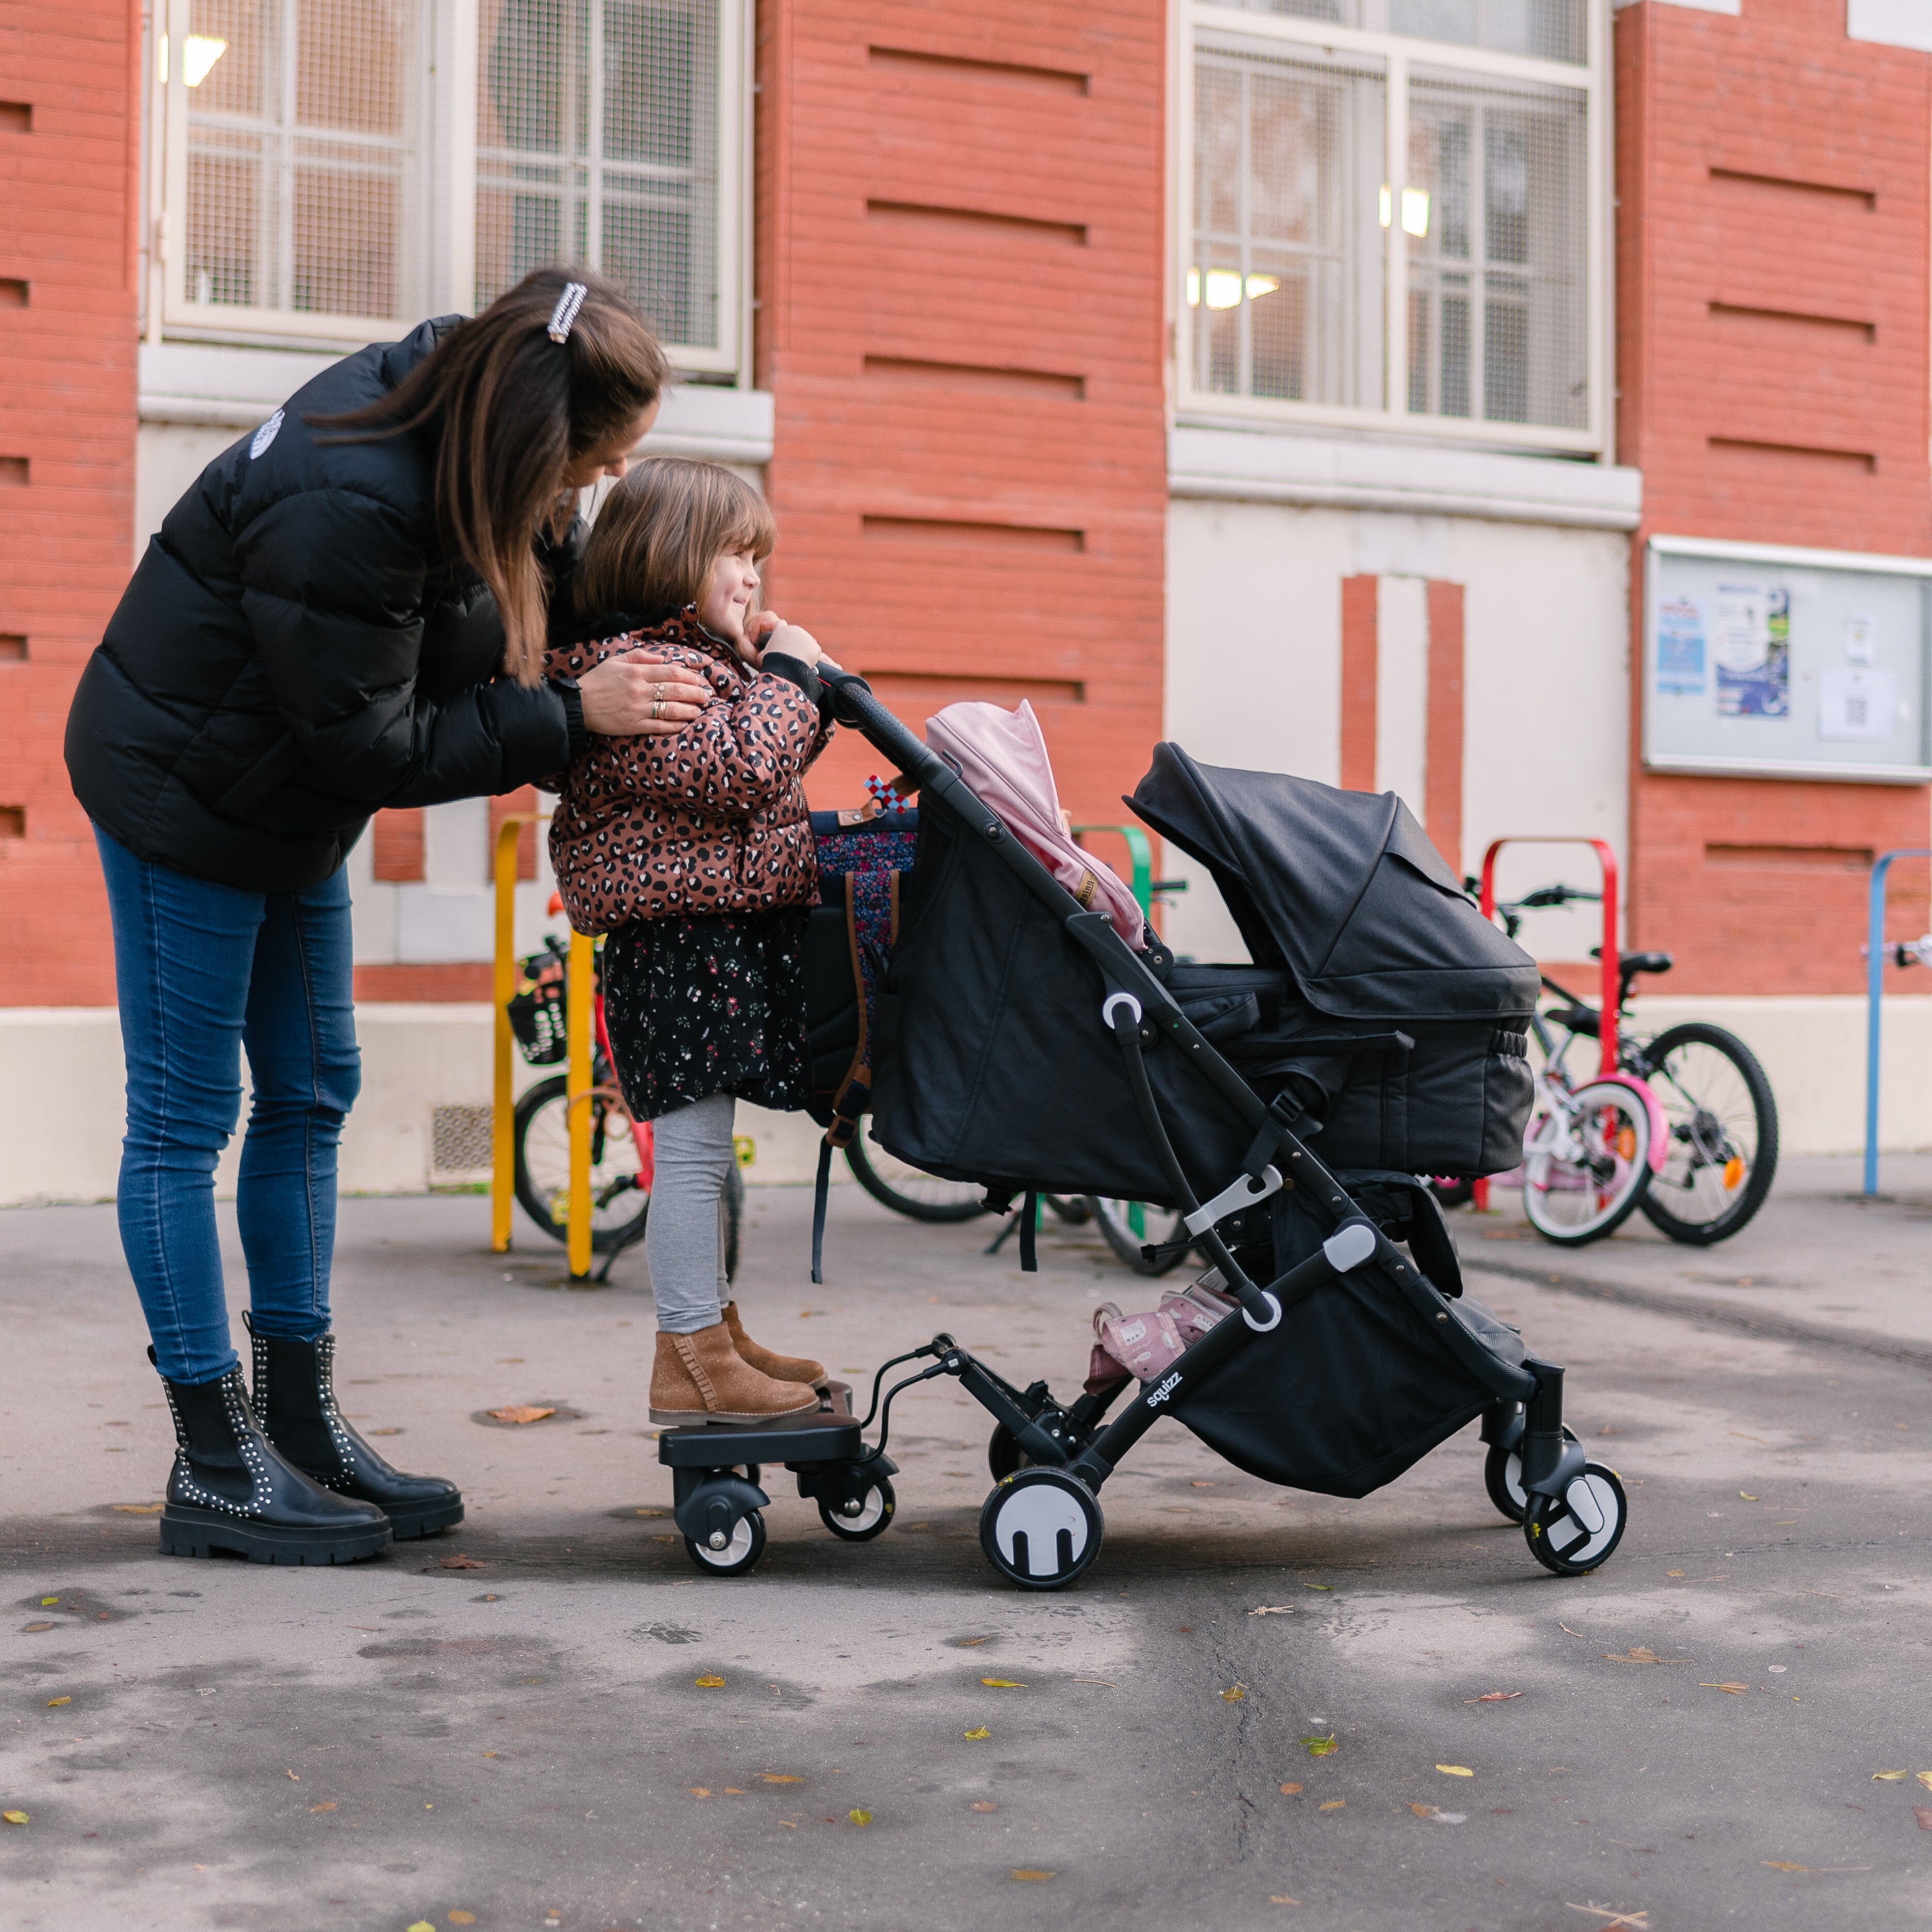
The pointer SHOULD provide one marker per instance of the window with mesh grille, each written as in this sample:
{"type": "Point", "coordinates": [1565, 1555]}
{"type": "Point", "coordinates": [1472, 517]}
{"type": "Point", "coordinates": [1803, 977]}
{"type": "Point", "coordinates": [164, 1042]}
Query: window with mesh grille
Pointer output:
{"type": "Point", "coordinates": [1371, 230]}
{"type": "Point", "coordinates": [597, 141]}
{"type": "Point", "coordinates": [303, 161]}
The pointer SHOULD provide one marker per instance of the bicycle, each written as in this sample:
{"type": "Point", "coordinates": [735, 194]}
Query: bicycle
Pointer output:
{"type": "Point", "coordinates": [622, 1153]}
{"type": "Point", "coordinates": [1713, 1122]}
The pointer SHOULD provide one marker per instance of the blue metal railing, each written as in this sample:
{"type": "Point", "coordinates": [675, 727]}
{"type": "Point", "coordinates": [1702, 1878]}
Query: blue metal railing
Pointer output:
{"type": "Point", "coordinates": [1876, 956]}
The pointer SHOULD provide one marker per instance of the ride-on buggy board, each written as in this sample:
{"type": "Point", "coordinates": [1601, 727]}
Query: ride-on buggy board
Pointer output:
{"type": "Point", "coordinates": [1020, 1042]}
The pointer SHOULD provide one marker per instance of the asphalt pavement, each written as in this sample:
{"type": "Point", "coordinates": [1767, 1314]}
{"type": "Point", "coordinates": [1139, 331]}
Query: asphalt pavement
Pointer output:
{"type": "Point", "coordinates": [548, 1718]}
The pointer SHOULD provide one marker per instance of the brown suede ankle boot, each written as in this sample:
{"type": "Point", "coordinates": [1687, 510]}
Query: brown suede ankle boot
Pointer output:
{"type": "Point", "coordinates": [783, 1368]}
{"type": "Point", "coordinates": [701, 1378]}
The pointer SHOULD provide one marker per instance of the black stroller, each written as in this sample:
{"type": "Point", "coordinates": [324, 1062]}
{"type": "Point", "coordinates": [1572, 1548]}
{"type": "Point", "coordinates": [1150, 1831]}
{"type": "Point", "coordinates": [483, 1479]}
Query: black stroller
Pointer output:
{"type": "Point", "coordinates": [1285, 1108]}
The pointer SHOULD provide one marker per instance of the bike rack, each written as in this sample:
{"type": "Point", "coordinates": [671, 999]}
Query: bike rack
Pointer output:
{"type": "Point", "coordinates": [1875, 957]}
{"type": "Point", "coordinates": [578, 985]}
{"type": "Point", "coordinates": [1606, 1025]}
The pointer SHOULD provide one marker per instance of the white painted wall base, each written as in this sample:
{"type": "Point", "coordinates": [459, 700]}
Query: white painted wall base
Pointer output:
{"type": "Point", "coordinates": [62, 1087]}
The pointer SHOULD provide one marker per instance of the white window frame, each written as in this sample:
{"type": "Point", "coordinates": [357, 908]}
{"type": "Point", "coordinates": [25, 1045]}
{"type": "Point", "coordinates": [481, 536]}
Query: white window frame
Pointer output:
{"type": "Point", "coordinates": [1398, 53]}
{"type": "Point", "coordinates": [440, 217]}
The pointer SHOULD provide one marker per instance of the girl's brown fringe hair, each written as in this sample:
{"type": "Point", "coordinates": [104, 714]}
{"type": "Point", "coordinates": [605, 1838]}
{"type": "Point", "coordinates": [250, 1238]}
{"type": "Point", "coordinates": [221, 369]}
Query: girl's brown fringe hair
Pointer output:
{"type": "Point", "coordinates": [511, 410]}
{"type": "Point", "coordinates": [660, 531]}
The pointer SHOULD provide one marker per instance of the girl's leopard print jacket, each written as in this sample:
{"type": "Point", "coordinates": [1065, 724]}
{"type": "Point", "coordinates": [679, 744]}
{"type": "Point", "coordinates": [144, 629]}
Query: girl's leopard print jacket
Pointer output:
{"type": "Point", "coordinates": [711, 821]}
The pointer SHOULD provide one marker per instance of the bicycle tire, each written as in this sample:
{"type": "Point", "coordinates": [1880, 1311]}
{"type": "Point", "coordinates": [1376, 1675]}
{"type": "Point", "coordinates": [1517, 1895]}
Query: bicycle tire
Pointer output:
{"type": "Point", "coordinates": [535, 1196]}
{"type": "Point", "coordinates": [1636, 1171]}
{"type": "Point", "coordinates": [963, 1203]}
{"type": "Point", "coordinates": [1761, 1167]}
{"type": "Point", "coordinates": [1119, 1234]}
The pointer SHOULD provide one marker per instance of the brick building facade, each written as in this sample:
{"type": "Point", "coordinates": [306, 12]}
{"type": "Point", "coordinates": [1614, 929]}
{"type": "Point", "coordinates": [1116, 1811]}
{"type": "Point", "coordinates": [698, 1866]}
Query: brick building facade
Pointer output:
{"type": "Point", "coordinates": [1307, 386]}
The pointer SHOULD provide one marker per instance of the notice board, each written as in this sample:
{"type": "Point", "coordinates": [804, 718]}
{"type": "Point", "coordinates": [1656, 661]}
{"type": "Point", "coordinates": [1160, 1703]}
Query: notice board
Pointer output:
{"type": "Point", "coordinates": [1781, 663]}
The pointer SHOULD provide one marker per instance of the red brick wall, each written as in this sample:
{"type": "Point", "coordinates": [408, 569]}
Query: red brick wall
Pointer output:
{"type": "Point", "coordinates": [68, 160]}
{"type": "Point", "coordinates": [959, 278]}
{"type": "Point", "coordinates": [1772, 298]}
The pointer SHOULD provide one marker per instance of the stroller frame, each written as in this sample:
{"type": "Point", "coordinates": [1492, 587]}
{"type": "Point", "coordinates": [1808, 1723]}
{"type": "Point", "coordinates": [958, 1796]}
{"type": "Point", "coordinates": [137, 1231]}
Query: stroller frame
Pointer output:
{"type": "Point", "coordinates": [1041, 1525]}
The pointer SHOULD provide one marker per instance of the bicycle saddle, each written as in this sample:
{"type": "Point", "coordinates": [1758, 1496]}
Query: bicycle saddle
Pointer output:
{"type": "Point", "coordinates": [1630, 963]}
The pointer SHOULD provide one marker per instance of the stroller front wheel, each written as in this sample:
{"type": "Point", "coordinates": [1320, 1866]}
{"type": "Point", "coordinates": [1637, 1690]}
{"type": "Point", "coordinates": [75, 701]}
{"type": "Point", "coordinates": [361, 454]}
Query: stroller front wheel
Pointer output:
{"type": "Point", "coordinates": [739, 1550]}
{"type": "Point", "coordinates": [1041, 1529]}
{"type": "Point", "coordinates": [865, 1517]}
{"type": "Point", "coordinates": [1572, 1534]}
{"type": "Point", "coordinates": [1502, 1475]}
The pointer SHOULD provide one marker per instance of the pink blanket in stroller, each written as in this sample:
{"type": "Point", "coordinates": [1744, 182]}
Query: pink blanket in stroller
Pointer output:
{"type": "Point", "coordinates": [1002, 755]}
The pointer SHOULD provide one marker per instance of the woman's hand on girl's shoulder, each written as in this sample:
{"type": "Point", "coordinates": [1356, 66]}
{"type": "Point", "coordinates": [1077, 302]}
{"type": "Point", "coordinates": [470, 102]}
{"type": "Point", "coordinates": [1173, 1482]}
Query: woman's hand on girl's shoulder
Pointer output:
{"type": "Point", "coordinates": [643, 693]}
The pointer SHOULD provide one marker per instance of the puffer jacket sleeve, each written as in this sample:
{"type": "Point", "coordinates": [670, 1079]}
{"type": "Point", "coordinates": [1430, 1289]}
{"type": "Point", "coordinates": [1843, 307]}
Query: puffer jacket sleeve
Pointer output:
{"type": "Point", "coordinates": [341, 645]}
{"type": "Point", "coordinates": [732, 761]}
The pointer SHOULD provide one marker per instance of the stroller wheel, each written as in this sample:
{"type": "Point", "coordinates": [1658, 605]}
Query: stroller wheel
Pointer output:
{"type": "Point", "coordinates": [1040, 1529]}
{"type": "Point", "coordinates": [1502, 1475]}
{"type": "Point", "coordinates": [1572, 1535]}
{"type": "Point", "coordinates": [745, 1545]}
{"type": "Point", "coordinates": [870, 1515]}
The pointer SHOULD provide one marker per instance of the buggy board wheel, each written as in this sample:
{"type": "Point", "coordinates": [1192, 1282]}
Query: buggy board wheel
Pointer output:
{"type": "Point", "coordinates": [1004, 1456]}
{"type": "Point", "coordinates": [859, 1520]}
{"type": "Point", "coordinates": [1040, 1529]}
{"type": "Point", "coordinates": [1570, 1534]}
{"type": "Point", "coordinates": [745, 1545]}
{"type": "Point", "coordinates": [1502, 1475]}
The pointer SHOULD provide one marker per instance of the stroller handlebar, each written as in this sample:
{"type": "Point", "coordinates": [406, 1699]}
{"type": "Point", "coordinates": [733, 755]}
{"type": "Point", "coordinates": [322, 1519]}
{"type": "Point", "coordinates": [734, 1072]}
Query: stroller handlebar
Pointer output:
{"type": "Point", "coordinates": [852, 703]}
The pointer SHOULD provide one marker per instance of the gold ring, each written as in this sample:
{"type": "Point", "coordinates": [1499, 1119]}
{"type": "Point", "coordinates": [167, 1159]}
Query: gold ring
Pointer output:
{"type": "Point", "coordinates": [657, 709]}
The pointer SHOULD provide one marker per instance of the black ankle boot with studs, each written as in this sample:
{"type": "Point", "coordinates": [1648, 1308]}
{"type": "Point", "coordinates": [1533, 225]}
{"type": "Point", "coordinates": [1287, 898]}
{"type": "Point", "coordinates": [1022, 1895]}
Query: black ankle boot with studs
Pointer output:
{"type": "Point", "coordinates": [229, 1490]}
{"type": "Point", "coordinates": [295, 1401]}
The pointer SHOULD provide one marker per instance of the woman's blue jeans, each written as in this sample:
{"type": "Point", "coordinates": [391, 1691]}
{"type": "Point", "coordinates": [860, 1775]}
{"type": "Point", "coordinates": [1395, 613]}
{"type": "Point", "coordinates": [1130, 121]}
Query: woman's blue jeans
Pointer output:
{"type": "Point", "coordinates": [203, 971]}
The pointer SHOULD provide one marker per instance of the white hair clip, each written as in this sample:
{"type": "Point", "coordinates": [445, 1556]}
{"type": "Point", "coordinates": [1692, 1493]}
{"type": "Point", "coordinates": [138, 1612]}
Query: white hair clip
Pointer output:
{"type": "Point", "coordinates": [565, 314]}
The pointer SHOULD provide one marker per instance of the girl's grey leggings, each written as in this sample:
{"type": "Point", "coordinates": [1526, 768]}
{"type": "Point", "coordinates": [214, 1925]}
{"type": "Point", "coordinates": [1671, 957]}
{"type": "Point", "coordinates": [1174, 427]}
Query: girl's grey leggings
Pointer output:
{"type": "Point", "coordinates": [693, 1150]}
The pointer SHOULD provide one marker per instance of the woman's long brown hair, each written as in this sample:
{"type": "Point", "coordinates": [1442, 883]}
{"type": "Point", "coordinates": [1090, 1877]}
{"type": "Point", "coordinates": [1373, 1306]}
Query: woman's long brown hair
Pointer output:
{"type": "Point", "coordinates": [511, 410]}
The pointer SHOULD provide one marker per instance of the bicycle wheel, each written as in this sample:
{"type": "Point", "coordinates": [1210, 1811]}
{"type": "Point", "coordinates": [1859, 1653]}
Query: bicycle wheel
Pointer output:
{"type": "Point", "coordinates": [1722, 1121]}
{"type": "Point", "coordinates": [618, 1205]}
{"type": "Point", "coordinates": [1585, 1161]}
{"type": "Point", "coordinates": [911, 1191]}
{"type": "Point", "coordinates": [1126, 1225]}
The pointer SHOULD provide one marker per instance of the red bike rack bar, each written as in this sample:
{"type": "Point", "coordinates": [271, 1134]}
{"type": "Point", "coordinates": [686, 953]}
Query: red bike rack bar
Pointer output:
{"type": "Point", "coordinates": [1608, 983]}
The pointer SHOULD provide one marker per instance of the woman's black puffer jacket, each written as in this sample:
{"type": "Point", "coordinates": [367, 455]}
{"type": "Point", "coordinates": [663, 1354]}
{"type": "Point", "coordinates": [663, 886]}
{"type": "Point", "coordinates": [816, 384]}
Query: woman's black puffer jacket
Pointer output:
{"type": "Point", "coordinates": [295, 651]}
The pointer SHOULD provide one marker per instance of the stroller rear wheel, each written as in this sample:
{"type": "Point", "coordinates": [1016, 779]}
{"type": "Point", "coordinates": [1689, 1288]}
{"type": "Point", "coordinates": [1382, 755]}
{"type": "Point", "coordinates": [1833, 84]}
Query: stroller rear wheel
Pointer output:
{"type": "Point", "coordinates": [1572, 1534]}
{"type": "Point", "coordinates": [1041, 1529]}
{"type": "Point", "coordinates": [1502, 1475]}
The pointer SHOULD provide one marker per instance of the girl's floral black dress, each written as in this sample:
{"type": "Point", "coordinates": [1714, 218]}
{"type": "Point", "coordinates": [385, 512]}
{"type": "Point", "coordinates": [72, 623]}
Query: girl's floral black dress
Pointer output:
{"type": "Point", "coordinates": [709, 1004]}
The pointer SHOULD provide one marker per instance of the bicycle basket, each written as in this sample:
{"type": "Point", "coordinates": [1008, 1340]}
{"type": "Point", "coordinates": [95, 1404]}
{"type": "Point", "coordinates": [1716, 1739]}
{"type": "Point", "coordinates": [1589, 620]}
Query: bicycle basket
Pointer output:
{"type": "Point", "coordinates": [536, 1013]}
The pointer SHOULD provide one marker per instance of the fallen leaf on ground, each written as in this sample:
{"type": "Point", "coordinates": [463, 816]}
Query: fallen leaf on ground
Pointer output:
{"type": "Point", "coordinates": [1272, 1610]}
{"type": "Point", "coordinates": [709, 1683]}
{"type": "Point", "coordinates": [781, 1778]}
{"type": "Point", "coordinates": [459, 1561]}
{"type": "Point", "coordinates": [1736, 1690]}
{"type": "Point", "coordinates": [519, 1412]}
{"type": "Point", "coordinates": [1333, 1804]}
{"type": "Point", "coordinates": [1002, 1684]}
{"type": "Point", "coordinates": [1925, 1779]}
{"type": "Point", "coordinates": [1493, 1697]}
{"type": "Point", "coordinates": [789, 1824]}
{"type": "Point", "coordinates": [1282, 1898]}
{"type": "Point", "coordinates": [1318, 1746]}
{"type": "Point", "coordinates": [1293, 1790]}
{"type": "Point", "coordinates": [33, 1628]}
{"type": "Point", "coordinates": [54, 1703]}
{"type": "Point", "coordinates": [1455, 1770]}
{"type": "Point", "coordinates": [1317, 1586]}
{"type": "Point", "coordinates": [327, 1804]}
{"type": "Point", "coordinates": [858, 1817]}
{"type": "Point", "coordinates": [1673, 1573]}
{"type": "Point", "coordinates": [1106, 1683]}
{"type": "Point", "coordinates": [969, 1642]}
{"type": "Point", "coordinates": [978, 1732]}
{"type": "Point", "coordinates": [421, 1925]}
{"type": "Point", "coordinates": [293, 1779]}
{"type": "Point", "coordinates": [648, 1512]}
{"type": "Point", "coordinates": [982, 1805]}
{"type": "Point", "coordinates": [463, 1918]}
{"type": "Point", "coordinates": [1023, 1873]}
{"type": "Point", "coordinates": [1782, 1865]}
{"type": "Point", "coordinates": [14, 1817]}
{"type": "Point", "coordinates": [137, 1509]}
{"type": "Point", "coordinates": [1923, 1813]}
{"type": "Point", "coordinates": [1889, 1776]}
{"type": "Point", "coordinates": [1422, 1811]}
{"type": "Point", "coordinates": [1234, 1694]}
{"type": "Point", "coordinates": [698, 1790]}
{"type": "Point", "coordinates": [1747, 1496]}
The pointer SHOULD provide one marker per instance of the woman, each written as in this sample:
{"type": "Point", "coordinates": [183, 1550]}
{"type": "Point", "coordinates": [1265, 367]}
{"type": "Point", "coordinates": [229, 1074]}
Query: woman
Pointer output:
{"type": "Point", "coordinates": [346, 611]}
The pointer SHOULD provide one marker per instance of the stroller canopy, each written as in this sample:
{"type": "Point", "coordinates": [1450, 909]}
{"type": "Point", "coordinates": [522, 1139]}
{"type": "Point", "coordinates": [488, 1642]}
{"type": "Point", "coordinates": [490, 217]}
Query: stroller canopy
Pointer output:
{"type": "Point", "coordinates": [1341, 890]}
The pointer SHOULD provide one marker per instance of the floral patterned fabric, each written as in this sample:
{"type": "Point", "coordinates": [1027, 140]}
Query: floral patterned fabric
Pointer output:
{"type": "Point", "coordinates": [698, 1007]}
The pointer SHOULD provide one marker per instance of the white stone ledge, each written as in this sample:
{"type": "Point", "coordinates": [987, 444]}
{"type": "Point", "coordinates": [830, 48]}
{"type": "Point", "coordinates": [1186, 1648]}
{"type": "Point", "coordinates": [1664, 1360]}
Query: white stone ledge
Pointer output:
{"type": "Point", "coordinates": [1267, 466]}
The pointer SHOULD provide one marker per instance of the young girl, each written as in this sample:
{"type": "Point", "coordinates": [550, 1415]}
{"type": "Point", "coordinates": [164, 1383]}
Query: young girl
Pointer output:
{"type": "Point", "coordinates": [694, 854]}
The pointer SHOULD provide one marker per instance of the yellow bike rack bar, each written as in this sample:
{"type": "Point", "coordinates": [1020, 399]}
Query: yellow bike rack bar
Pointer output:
{"type": "Point", "coordinates": [579, 984]}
